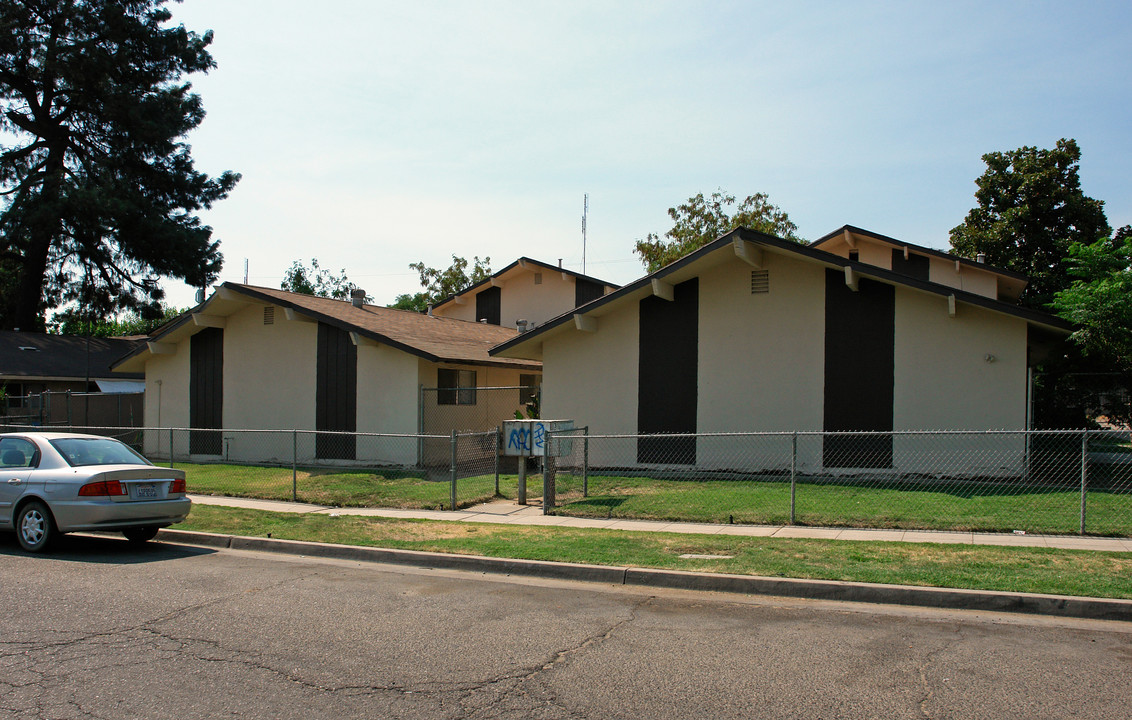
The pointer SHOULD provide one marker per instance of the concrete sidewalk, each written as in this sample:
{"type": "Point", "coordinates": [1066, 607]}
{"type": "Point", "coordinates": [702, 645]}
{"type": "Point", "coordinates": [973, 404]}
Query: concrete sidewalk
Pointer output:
{"type": "Point", "coordinates": [508, 512]}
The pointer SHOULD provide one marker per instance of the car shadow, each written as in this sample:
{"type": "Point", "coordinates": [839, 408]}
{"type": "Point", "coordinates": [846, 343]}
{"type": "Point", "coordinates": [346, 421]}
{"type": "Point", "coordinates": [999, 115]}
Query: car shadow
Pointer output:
{"type": "Point", "coordinates": [104, 549]}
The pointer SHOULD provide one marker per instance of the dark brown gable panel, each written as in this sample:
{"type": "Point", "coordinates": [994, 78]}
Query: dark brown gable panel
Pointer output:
{"type": "Point", "coordinates": [336, 393]}
{"type": "Point", "coordinates": [859, 371]}
{"type": "Point", "coordinates": [668, 375]}
{"type": "Point", "coordinates": [206, 391]}
{"type": "Point", "coordinates": [487, 305]}
{"type": "Point", "coordinates": [587, 290]}
{"type": "Point", "coordinates": [916, 266]}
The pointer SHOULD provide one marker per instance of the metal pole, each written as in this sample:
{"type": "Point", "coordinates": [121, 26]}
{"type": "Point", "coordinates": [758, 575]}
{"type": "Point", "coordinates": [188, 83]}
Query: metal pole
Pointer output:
{"type": "Point", "coordinates": [1084, 474]}
{"type": "Point", "coordinates": [294, 466]}
{"type": "Point", "coordinates": [793, 473]}
{"type": "Point", "coordinates": [586, 461]}
{"type": "Point", "coordinates": [522, 489]}
{"type": "Point", "coordinates": [420, 426]}
{"type": "Point", "coordinates": [170, 439]}
{"type": "Point", "coordinates": [547, 476]}
{"type": "Point", "coordinates": [70, 421]}
{"type": "Point", "coordinates": [453, 465]}
{"type": "Point", "coordinates": [498, 440]}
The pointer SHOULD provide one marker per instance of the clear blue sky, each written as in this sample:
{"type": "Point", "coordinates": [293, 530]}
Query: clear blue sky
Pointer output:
{"type": "Point", "coordinates": [373, 134]}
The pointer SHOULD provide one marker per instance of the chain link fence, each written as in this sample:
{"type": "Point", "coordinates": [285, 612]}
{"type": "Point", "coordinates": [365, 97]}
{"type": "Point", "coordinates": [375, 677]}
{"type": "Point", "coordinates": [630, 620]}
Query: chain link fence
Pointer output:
{"type": "Point", "coordinates": [1050, 482]}
{"type": "Point", "coordinates": [1042, 482]}
{"type": "Point", "coordinates": [338, 469]}
{"type": "Point", "coordinates": [472, 409]}
{"type": "Point", "coordinates": [74, 408]}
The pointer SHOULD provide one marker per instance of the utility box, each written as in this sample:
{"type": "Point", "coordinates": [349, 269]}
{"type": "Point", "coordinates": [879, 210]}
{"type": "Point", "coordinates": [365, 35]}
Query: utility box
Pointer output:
{"type": "Point", "coordinates": [527, 438]}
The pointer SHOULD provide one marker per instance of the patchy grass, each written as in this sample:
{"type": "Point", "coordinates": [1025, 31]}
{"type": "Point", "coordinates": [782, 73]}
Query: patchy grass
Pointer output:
{"type": "Point", "coordinates": [339, 488]}
{"type": "Point", "coordinates": [972, 507]}
{"type": "Point", "coordinates": [1040, 570]}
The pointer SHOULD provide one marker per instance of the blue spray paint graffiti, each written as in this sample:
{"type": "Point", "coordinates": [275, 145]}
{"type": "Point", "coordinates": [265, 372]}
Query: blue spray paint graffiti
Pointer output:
{"type": "Point", "coordinates": [528, 440]}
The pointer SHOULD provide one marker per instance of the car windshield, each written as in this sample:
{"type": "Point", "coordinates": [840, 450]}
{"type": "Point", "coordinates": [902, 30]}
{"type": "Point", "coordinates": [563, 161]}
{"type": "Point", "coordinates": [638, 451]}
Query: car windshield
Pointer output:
{"type": "Point", "coordinates": [97, 451]}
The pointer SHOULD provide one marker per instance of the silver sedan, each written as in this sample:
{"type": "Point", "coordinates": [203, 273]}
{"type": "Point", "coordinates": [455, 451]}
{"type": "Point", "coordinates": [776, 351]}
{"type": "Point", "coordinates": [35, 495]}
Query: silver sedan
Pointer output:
{"type": "Point", "coordinates": [52, 483]}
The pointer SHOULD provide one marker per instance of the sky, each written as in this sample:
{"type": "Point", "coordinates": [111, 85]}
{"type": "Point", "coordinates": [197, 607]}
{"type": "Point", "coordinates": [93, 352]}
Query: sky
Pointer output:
{"type": "Point", "coordinates": [374, 134]}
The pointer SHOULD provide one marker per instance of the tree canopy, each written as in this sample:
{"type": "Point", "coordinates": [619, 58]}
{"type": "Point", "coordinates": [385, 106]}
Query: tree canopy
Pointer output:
{"type": "Point", "coordinates": [315, 280]}
{"type": "Point", "coordinates": [701, 220]}
{"type": "Point", "coordinates": [1031, 210]}
{"type": "Point", "coordinates": [99, 189]}
{"type": "Point", "coordinates": [123, 325]}
{"type": "Point", "coordinates": [1099, 299]}
{"type": "Point", "coordinates": [441, 284]}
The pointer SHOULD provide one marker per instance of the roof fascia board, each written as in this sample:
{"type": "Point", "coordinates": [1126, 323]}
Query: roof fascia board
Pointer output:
{"type": "Point", "coordinates": [846, 231]}
{"type": "Point", "coordinates": [807, 251]}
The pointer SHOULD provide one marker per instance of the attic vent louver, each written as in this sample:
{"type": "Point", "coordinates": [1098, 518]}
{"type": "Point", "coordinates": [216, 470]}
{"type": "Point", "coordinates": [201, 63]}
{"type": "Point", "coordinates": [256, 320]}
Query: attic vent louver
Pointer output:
{"type": "Point", "coordinates": [269, 315]}
{"type": "Point", "coordinates": [760, 281]}
{"type": "Point", "coordinates": [538, 278]}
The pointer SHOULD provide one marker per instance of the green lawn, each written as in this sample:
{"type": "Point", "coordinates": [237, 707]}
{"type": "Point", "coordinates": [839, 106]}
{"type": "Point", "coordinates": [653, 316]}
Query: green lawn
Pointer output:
{"type": "Point", "coordinates": [764, 502]}
{"type": "Point", "coordinates": [342, 488]}
{"type": "Point", "coordinates": [1040, 570]}
{"type": "Point", "coordinates": [767, 502]}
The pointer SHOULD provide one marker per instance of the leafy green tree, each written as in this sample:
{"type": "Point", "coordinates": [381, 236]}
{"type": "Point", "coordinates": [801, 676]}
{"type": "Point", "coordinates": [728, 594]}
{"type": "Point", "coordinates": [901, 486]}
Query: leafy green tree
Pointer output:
{"type": "Point", "coordinates": [318, 281]}
{"type": "Point", "coordinates": [123, 325]}
{"type": "Point", "coordinates": [441, 284]}
{"type": "Point", "coordinates": [701, 220]}
{"type": "Point", "coordinates": [99, 191]}
{"type": "Point", "coordinates": [1031, 211]}
{"type": "Point", "coordinates": [1099, 299]}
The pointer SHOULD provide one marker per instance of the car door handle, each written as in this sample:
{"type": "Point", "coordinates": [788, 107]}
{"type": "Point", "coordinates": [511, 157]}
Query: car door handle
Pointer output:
{"type": "Point", "coordinates": [15, 481]}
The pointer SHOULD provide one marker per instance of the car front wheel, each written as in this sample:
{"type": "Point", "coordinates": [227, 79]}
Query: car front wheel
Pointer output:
{"type": "Point", "coordinates": [139, 535]}
{"type": "Point", "coordinates": [35, 528]}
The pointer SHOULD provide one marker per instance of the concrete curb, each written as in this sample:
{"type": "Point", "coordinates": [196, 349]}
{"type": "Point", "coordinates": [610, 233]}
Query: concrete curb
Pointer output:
{"type": "Point", "coordinates": [943, 598]}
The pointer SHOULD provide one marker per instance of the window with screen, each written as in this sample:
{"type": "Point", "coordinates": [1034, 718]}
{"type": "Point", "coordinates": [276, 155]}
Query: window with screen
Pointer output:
{"type": "Point", "coordinates": [456, 387]}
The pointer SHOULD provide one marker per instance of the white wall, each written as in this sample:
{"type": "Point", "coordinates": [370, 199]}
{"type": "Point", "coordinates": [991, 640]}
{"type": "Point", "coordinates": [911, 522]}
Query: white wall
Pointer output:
{"type": "Point", "coordinates": [521, 299]}
{"type": "Point", "coordinates": [761, 359]}
{"type": "Point", "coordinates": [591, 378]}
{"type": "Point", "coordinates": [970, 279]}
{"type": "Point", "coordinates": [944, 382]}
{"type": "Point", "coordinates": [166, 397]}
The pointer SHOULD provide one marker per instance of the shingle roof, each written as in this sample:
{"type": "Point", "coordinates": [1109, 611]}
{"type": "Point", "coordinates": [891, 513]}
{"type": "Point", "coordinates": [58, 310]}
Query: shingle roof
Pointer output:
{"type": "Point", "coordinates": [433, 338]}
{"type": "Point", "coordinates": [62, 357]}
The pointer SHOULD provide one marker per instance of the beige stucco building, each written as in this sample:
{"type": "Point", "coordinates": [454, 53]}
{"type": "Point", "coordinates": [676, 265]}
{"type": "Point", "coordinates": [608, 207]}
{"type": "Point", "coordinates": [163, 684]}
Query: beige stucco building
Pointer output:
{"type": "Point", "coordinates": [751, 333]}
{"type": "Point", "coordinates": [523, 295]}
{"type": "Point", "coordinates": [266, 359]}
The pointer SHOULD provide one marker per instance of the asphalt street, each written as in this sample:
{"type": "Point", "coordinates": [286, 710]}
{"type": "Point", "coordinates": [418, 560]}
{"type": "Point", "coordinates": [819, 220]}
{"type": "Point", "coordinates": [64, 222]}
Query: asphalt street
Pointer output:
{"type": "Point", "coordinates": [99, 629]}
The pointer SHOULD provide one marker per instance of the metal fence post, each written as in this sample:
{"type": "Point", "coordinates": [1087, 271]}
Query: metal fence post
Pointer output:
{"type": "Point", "coordinates": [1084, 474]}
{"type": "Point", "coordinates": [498, 441]}
{"type": "Point", "coordinates": [71, 423]}
{"type": "Point", "coordinates": [170, 434]}
{"type": "Point", "coordinates": [453, 469]}
{"type": "Point", "coordinates": [547, 475]}
{"type": "Point", "coordinates": [294, 466]}
{"type": "Point", "coordinates": [793, 473]}
{"type": "Point", "coordinates": [586, 461]}
{"type": "Point", "coordinates": [420, 426]}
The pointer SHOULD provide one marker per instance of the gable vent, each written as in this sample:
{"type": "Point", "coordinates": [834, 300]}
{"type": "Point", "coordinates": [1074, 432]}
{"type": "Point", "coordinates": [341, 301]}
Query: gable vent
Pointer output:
{"type": "Point", "coordinates": [269, 315]}
{"type": "Point", "coordinates": [538, 278]}
{"type": "Point", "coordinates": [760, 281]}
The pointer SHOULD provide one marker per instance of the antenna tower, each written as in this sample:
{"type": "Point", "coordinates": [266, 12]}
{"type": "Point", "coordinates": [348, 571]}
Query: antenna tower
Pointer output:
{"type": "Point", "coordinates": [585, 212]}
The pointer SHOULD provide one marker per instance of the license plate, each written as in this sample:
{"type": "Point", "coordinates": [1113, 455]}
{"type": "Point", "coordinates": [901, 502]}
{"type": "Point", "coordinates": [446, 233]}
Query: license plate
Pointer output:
{"type": "Point", "coordinates": [146, 490]}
